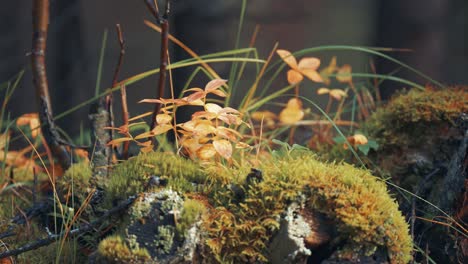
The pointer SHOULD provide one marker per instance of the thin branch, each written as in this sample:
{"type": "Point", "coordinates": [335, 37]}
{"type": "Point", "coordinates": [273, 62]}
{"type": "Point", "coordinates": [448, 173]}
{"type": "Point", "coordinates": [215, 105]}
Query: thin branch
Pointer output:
{"type": "Point", "coordinates": [39, 42]}
{"type": "Point", "coordinates": [121, 55]}
{"type": "Point", "coordinates": [73, 233]}
{"type": "Point", "coordinates": [121, 40]}
{"type": "Point", "coordinates": [164, 22]}
{"type": "Point", "coordinates": [126, 145]}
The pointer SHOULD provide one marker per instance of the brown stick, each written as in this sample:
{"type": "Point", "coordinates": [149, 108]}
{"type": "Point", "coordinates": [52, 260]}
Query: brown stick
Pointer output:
{"type": "Point", "coordinates": [164, 22]}
{"type": "Point", "coordinates": [40, 15]}
{"type": "Point", "coordinates": [122, 87]}
{"type": "Point", "coordinates": [123, 92]}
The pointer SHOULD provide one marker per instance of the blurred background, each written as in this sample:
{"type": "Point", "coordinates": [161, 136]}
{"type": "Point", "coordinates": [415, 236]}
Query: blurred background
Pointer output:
{"type": "Point", "coordinates": [434, 31]}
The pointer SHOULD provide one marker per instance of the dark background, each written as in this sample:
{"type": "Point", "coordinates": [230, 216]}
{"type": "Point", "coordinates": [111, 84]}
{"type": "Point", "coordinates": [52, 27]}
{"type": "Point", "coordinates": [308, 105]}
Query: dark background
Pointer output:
{"type": "Point", "coordinates": [435, 31]}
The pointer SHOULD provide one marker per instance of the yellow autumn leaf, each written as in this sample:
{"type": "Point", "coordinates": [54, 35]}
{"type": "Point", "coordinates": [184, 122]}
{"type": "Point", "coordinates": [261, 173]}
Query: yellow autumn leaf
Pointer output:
{"type": "Point", "coordinates": [337, 94]}
{"type": "Point", "coordinates": [288, 58]}
{"type": "Point", "coordinates": [223, 147]}
{"type": "Point", "coordinates": [4, 139]}
{"type": "Point", "coordinates": [242, 145]}
{"type": "Point", "coordinates": [163, 119]}
{"type": "Point", "coordinates": [292, 113]}
{"type": "Point", "coordinates": [323, 90]}
{"type": "Point", "coordinates": [344, 74]}
{"type": "Point", "coordinates": [329, 70]}
{"type": "Point", "coordinates": [259, 115]}
{"type": "Point", "coordinates": [213, 108]}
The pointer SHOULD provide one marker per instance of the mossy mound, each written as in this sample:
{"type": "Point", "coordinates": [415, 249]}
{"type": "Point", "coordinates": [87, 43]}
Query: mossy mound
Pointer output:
{"type": "Point", "coordinates": [134, 175]}
{"type": "Point", "coordinates": [366, 217]}
{"type": "Point", "coordinates": [240, 218]}
{"type": "Point", "coordinates": [412, 117]}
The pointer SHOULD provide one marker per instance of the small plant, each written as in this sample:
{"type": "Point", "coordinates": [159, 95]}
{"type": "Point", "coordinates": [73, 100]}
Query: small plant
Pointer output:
{"type": "Point", "coordinates": [209, 134]}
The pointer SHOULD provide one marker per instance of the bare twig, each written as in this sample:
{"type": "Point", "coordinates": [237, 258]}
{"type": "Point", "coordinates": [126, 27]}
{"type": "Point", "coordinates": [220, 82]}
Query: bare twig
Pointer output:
{"type": "Point", "coordinates": [73, 233]}
{"type": "Point", "coordinates": [39, 40]}
{"type": "Point", "coordinates": [126, 145]}
{"type": "Point", "coordinates": [122, 87]}
{"type": "Point", "coordinates": [164, 22]}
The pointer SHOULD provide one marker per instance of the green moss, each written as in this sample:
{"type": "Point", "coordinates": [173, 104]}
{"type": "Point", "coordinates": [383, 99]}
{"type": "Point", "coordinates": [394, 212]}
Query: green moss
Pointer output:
{"type": "Point", "coordinates": [115, 250]}
{"type": "Point", "coordinates": [191, 212]}
{"type": "Point", "coordinates": [410, 118]}
{"type": "Point", "coordinates": [76, 180]}
{"type": "Point", "coordinates": [132, 176]}
{"type": "Point", "coordinates": [366, 217]}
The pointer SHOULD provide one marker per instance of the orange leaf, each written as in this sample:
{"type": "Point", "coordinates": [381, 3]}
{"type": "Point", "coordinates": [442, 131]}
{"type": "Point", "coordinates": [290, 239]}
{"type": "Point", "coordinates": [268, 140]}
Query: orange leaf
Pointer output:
{"type": "Point", "coordinates": [146, 146]}
{"type": "Point", "coordinates": [288, 58]}
{"type": "Point", "coordinates": [309, 63]}
{"type": "Point", "coordinates": [294, 77]}
{"type": "Point", "coordinates": [259, 115]}
{"type": "Point", "coordinates": [292, 113]}
{"type": "Point", "coordinates": [31, 119]}
{"type": "Point", "coordinates": [116, 142]}
{"type": "Point", "coordinates": [312, 75]}
{"type": "Point", "coordinates": [195, 96]}
{"type": "Point", "coordinates": [206, 152]}
{"type": "Point", "coordinates": [140, 116]}
{"type": "Point", "coordinates": [223, 147]}
{"type": "Point", "coordinates": [214, 85]}
{"type": "Point", "coordinates": [355, 140]}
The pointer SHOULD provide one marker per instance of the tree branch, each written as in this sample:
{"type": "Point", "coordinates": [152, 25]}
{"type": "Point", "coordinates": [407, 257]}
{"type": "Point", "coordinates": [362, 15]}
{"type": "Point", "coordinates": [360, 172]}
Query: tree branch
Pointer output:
{"type": "Point", "coordinates": [40, 16]}
{"type": "Point", "coordinates": [164, 23]}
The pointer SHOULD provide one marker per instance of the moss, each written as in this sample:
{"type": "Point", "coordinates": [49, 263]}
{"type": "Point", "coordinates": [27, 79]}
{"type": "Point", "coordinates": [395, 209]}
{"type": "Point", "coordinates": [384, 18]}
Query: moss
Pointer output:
{"type": "Point", "coordinates": [132, 176]}
{"type": "Point", "coordinates": [366, 217]}
{"type": "Point", "coordinates": [191, 212]}
{"type": "Point", "coordinates": [76, 180]}
{"type": "Point", "coordinates": [409, 118]}
{"type": "Point", "coordinates": [115, 250]}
